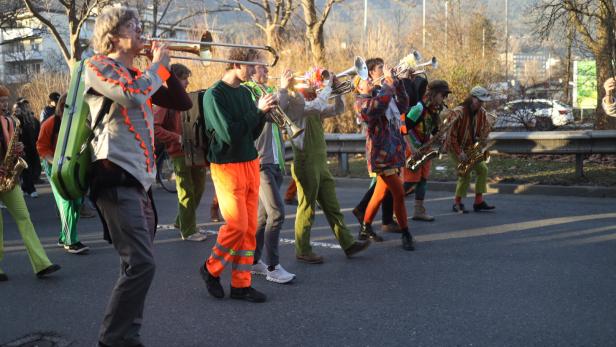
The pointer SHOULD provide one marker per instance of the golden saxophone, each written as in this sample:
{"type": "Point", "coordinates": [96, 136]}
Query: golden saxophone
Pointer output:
{"type": "Point", "coordinates": [12, 164]}
{"type": "Point", "coordinates": [477, 152]}
{"type": "Point", "coordinates": [432, 148]}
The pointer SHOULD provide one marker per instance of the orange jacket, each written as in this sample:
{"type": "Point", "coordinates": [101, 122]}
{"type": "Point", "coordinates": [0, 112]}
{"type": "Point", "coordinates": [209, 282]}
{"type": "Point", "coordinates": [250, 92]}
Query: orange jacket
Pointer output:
{"type": "Point", "coordinates": [46, 143]}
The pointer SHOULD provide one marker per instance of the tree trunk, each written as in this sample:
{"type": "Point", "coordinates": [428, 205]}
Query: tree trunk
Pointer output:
{"type": "Point", "coordinates": [272, 34]}
{"type": "Point", "coordinates": [314, 33]}
{"type": "Point", "coordinates": [317, 45]}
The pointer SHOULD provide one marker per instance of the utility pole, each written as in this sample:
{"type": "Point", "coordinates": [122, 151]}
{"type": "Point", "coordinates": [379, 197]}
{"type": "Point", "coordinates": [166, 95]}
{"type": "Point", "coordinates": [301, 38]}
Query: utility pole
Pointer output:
{"type": "Point", "coordinates": [424, 25]}
{"type": "Point", "coordinates": [364, 32]}
{"type": "Point", "coordinates": [507, 42]}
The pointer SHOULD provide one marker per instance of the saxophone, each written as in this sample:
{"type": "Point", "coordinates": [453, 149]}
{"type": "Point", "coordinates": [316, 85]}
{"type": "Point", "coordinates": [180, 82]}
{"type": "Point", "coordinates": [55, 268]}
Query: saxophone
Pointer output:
{"type": "Point", "coordinates": [478, 151]}
{"type": "Point", "coordinates": [431, 149]}
{"type": "Point", "coordinates": [12, 164]}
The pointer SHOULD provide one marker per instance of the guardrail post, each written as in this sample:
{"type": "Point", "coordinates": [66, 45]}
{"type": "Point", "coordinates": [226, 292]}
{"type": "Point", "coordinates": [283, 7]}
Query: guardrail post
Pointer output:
{"type": "Point", "coordinates": [579, 165]}
{"type": "Point", "coordinates": [343, 163]}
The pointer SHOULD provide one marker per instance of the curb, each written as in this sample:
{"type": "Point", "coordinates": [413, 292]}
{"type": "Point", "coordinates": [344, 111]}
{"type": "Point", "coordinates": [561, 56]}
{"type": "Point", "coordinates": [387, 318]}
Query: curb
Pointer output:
{"type": "Point", "coordinates": [500, 188]}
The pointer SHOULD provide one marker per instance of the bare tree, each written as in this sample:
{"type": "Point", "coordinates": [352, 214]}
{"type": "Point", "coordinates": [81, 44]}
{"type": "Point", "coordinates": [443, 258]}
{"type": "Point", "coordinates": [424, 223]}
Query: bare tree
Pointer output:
{"type": "Point", "coordinates": [593, 21]}
{"type": "Point", "coordinates": [314, 28]}
{"type": "Point", "coordinates": [77, 13]}
{"type": "Point", "coordinates": [270, 16]}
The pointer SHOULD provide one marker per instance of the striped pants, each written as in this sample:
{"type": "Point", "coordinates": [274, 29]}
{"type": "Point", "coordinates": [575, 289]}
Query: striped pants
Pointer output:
{"type": "Point", "coordinates": [237, 189]}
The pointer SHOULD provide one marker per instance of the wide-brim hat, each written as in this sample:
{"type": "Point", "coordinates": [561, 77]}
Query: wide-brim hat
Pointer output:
{"type": "Point", "coordinates": [439, 86]}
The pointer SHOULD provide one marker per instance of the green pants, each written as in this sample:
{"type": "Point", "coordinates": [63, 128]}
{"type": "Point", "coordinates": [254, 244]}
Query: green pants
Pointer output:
{"type": "Point", "coordinates": [15, 204]}
{"type": "Point", "coordinates": [190, 183]}
{"type": "Point", "coordinates": [316, 183]}
{"type": "Point", "coordinates": [69, 212]}
{"type": "Point", "coordinates": [481, 184]}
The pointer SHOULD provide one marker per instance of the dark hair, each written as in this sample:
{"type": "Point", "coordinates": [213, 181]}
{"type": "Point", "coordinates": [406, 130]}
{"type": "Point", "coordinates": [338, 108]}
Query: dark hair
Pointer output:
{"type": "Point", "coordinates": [54, 96]}
{"type": "Point", "coordinates": [372, 63]}
{"type": "Point", "coordinates": [180, 71]}
{"type": "Point", "coordinates": [242, 54]}
{"type": "Point", "coordinates": [58, 120]}
{"type": "Point", "coordinates": [467, 102]}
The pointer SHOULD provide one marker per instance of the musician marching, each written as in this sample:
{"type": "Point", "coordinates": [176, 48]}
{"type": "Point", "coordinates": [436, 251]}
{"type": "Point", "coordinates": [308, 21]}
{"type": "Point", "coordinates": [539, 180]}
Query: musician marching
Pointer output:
{"type": "Point", "coordinates": [270, 218]}
{"type": "Point", "coordinates": [424, 119]}
{"type": "Point", "coordinates": [307, 109]}
{"type": "Point", "coordinates": [379, 107]}
{"type": "Point", "coordinates": [11, 149]}
{"type": "Point", "coordinates": [124, 167]}
{"type": "Point", "coordinates": [470, 127]}
{"type": "Point", "coordinates": [189, 179]}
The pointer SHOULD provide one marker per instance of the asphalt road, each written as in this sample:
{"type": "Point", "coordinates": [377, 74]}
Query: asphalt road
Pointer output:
{"type": "Point", "coordinates": [540, 271]}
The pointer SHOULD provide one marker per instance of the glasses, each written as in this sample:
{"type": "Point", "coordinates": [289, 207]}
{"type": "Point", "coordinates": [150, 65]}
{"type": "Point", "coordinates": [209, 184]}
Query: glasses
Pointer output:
{"type": "Point", "coordinates": [135, 26]}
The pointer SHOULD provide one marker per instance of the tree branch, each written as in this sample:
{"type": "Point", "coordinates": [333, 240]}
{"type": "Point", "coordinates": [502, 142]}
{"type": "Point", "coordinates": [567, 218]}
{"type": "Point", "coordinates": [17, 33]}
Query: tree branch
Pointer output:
{"type": "Point", "coordinates": [51, 27]}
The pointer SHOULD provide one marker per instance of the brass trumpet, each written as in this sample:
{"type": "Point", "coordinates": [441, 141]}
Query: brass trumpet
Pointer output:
{"type": "Point", "coordinates": [280, 118]}
{"type": "Point", "coordinates": [203, 50]}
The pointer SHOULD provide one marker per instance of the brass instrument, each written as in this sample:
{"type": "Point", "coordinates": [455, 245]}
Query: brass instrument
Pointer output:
{"type": "Point", "coordinates": [477, 152]}
{"type": "Point", "coordinates": [430, 149]}
{"type": "Point", "coordinates": [359, 68]}
{"type": "Point", "coordinates": [204, 53]}
{"type": "Point", "coordinates": [411, 62]}
{"type": "Point", "coordinates": [280, 118]}
{"type": "Point", "coordinates": [12, 163]}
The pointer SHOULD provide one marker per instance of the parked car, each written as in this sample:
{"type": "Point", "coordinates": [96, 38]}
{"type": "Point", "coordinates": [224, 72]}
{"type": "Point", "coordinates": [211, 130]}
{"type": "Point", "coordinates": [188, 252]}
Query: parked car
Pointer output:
{"type": "Point", "coordinates": [539, 114]}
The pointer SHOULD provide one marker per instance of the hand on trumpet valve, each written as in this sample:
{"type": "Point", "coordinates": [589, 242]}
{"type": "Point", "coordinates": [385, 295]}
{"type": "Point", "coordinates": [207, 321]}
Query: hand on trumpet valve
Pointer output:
{"type": "Point", "coordinates": [388, 73]}
{"type": "Point", "coordinates": [267, 102]}
{"type": "Point", "coordinates": [160, 53]}
{"type": "Point", "coordinates": [287, 79]}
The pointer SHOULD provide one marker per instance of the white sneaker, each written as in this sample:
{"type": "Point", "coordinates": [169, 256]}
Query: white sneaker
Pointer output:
{"type": "Point", "coordinates": [34, 195]}
{"type": "Point", "coordinates": [279, 275]}
{"type": "Point", "coordinates": [259, 268]}
{"type": "Point", "coordinates": [197, 237]}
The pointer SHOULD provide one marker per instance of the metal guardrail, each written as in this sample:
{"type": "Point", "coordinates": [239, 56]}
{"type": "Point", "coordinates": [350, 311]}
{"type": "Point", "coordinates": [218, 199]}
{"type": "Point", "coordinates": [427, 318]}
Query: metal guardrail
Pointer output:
{"type": "Point", "coordinates": [578, 143]}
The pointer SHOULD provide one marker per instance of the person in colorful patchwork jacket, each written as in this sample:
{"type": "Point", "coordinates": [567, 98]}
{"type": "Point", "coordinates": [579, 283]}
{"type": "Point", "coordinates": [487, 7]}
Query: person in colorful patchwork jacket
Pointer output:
{"type": "Point", "coordinates": [469, 125]}
{"type": "Point", "coordinates": [315, 183]}
{"type": "Point", "coordinates": [379, 107]}
{"type": "Point", "coordinates": [123, 163]}
{"type": "Point", "coordinates": [424, 119]}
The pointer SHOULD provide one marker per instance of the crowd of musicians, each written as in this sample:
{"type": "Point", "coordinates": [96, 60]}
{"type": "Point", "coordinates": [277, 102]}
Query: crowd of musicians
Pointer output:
{"type": "Point", "coordinates": [402, 115]}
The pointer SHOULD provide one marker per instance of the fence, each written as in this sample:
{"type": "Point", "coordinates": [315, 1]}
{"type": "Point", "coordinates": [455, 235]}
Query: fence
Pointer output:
{"type": "Point", "coordinates": [578, 143]}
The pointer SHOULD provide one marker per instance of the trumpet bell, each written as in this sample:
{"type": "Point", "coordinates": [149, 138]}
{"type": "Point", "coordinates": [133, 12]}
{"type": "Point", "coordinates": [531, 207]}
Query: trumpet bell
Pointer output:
{"type": "Point", "coordinates": [359, 68]}
{"type": "Point", "coordinates": [295, 131]}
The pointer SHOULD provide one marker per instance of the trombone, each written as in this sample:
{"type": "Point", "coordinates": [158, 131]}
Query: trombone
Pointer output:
{"type": "Point", "coordinates": [202, 50]}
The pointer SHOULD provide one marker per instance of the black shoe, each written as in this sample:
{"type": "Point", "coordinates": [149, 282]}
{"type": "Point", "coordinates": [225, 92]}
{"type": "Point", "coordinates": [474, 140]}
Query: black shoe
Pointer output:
{"type": "Point", "coordinates": [359, 215]}
{"type": "Point", "coordinates": [366, 232]}
{"type": "Point", "coordinates": [3, 277]}
{"type": "Point", "coordinates": [76, 248]}
{"type": "Point", "coordinates": [356, 247]}
{"type": "Point", "coordinates": [48, 270]}
{"type": "Point", "coordinates": [407, 240]}
{"type": "Point", "coordinates": [212, 283]}
{"type": "Point", "coordinates": [482, 207]}
{"type": "Point", "coordinates": [248, 294]}
{"type": "Point", "coordinates": [459, 208]}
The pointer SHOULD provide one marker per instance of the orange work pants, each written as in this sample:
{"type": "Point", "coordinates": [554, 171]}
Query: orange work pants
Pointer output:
{"type": "Point", "coordinates": [237, 189]}
{"type": "Point", "coordinates": [393, 183]}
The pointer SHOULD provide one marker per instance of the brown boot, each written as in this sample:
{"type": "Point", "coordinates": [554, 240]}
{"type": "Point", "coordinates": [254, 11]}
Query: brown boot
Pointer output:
{"type": "Point", "coordinates": [419, 212]}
